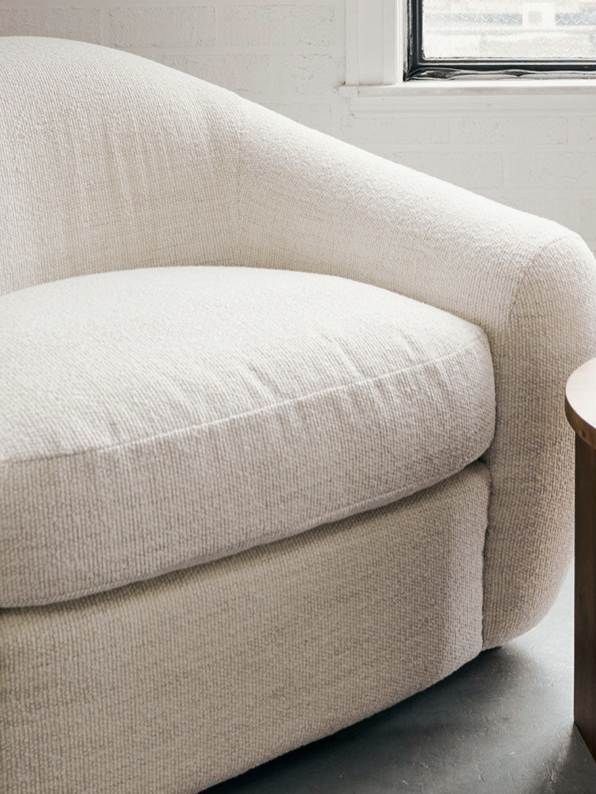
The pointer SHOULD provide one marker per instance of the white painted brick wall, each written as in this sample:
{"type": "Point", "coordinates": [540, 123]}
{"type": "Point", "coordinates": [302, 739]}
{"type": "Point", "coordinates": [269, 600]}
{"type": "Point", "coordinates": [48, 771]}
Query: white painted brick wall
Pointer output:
{"type": "Point", "coordinates": [246, 74]}
{"type": "Point", "coordinates": [279, 26]}
{"type": "Point", "coordinates": [64, 23]}
{"type": "Point", "coordinates": [172, 26]}
{"type": "Point", "coordinates": [546, 170]}
{"type": "Point", "coordinates": [314, 75]}
{"type": "Point", "coordinates": [510, 131]}
{"type": "Point", "coordinates": [363, 131]}
{"type": "Point", "coordinates": [289, 56]}
{"type": "Point", "coordinates": [474, 170]}
{"type": "Point", "coordinates": [314, 115]}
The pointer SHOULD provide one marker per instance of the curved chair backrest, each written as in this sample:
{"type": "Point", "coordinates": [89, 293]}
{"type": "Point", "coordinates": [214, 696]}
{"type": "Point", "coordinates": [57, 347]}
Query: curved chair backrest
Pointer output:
{"type": "Point", "coordinates": [109, 161]}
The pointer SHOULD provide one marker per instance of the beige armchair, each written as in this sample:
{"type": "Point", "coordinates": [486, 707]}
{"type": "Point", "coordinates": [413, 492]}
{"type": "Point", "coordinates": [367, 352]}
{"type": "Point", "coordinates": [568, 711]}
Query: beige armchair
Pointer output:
{"type": "Point", "coordinates": [281, 428]}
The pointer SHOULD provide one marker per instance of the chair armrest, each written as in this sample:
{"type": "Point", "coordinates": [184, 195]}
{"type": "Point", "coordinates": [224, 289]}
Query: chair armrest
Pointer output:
{"type": "Point", "coordinates": [310, 202]}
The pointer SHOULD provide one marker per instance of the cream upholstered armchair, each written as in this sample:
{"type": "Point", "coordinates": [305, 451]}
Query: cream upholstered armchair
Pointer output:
{"type": "Point", "coordinates": [281, 437]}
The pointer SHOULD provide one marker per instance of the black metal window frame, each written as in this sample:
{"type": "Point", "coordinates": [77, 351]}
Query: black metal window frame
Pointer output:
{"type": "Point", "coordinates": [418, 67]}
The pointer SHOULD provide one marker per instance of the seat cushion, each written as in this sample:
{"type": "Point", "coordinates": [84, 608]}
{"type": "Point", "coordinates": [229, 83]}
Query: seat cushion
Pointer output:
{"type": "Point", "coordinates": [152, 420]}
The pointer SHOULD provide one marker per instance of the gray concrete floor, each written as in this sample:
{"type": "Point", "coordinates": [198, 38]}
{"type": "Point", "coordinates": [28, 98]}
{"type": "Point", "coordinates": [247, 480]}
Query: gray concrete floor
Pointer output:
{"type": "Point", "coordinates": [500, 725]}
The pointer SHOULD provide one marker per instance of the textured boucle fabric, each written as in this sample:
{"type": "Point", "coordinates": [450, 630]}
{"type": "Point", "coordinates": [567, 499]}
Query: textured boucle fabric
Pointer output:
{"type": "Point", "coordinates": [107, 162]}
{"type": "Point", "coordinates": [170, 685]}
{"type": "Point", "coordinates": [132, 165]}
{"type": "Point", "coordinates": [155, 419]}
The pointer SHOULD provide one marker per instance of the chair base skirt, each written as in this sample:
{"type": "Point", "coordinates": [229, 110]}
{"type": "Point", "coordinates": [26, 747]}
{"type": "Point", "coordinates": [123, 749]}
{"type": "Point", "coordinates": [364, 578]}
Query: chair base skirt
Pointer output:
{"type": "Point", "coordinates": [171, 685]}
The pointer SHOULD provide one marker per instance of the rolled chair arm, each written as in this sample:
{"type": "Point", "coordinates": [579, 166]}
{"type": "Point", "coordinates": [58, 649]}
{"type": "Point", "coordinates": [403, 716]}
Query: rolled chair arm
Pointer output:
{"type": "Point", "coordinates": [310, 202]}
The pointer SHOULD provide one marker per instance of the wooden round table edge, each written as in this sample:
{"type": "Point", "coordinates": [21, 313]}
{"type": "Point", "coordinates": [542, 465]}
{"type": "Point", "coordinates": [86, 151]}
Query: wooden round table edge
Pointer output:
{"type": "Point", "coordinates": [580, 402]}
{"type": "Point", "coordinates": [580, 408]}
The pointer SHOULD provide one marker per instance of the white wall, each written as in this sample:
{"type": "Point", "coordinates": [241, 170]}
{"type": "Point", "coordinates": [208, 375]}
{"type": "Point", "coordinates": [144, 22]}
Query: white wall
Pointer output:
{"type": "Point", "coordinates": [289, 55]}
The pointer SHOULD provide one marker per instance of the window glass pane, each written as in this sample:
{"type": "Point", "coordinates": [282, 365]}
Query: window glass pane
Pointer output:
{"type": "Point", "coordinates": [509, 29]}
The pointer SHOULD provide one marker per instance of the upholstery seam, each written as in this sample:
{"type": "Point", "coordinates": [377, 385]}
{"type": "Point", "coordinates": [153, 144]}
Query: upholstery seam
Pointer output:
{"type": "Point", "coordinates": [340, 514]}
{"type": "Point", "coordinates": [529, 267]}
{"type": "Point", "coordinates": [255, 412]}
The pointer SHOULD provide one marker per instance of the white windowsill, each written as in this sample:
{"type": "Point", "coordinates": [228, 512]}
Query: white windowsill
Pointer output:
{"type": "Point", "coordinates": [516, 96]}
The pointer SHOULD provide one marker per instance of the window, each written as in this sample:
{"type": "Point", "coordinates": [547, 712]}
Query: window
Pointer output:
{"type": "Point", "coordinates": [460, 38]}
{"type": "Point", "coordinates": [470, 57]}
